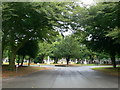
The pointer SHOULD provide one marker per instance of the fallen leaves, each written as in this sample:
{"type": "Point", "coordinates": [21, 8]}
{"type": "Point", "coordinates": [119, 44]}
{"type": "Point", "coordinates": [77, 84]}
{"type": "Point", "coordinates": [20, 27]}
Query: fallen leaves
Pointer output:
{"type": "Point", "coordinates": [22, 71]}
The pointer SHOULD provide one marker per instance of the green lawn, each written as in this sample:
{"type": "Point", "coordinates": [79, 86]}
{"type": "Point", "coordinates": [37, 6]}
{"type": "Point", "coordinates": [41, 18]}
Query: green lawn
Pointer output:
{"type": "Point", "coordinates": [109, 70]}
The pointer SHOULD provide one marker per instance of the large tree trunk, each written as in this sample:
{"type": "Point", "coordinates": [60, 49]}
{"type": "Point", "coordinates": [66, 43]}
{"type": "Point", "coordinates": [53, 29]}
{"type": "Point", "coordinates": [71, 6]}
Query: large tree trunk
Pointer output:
{"type": "Point", "coordinates": [18, 60]}
{"type": "Point", "coordinates": [91, 59]}
{"type": "Point", "coordinates": [78, 60]}
{"type": "Point", "coordinates": [68, 59]}
{"type": "Point", "coordinates": [13, 50]}
{"type": "Point", "coordinates": [22, 60]}
{"type": "Point", "coordinates": [1, 53]}
{"type": "Point", "coordinates": [113, 60]}
{"type": "Point", "coordinates": [112, 56]}
{"type": "Point", "coordinates": [56, 60]}
{"type": "Point", "coordinates": [42, 58]}
{"type": "Point", "coordinates": [12, 61]}
{"type": "Point", "coordinates": [29, 62]}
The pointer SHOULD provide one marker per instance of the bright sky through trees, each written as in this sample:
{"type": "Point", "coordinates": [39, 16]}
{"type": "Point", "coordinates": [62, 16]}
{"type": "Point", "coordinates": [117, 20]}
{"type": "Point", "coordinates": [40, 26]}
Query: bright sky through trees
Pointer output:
{"type": "Point", "coordinates": [89, 2]}
{"type": "Point", "coordinates": [86, 2]}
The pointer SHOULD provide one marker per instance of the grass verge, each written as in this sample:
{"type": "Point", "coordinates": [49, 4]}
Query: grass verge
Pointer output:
{"type": "Point", "coordinates": [74, 65]}
{"type": "Point", "coordinates": [21, 71]}
{"type": "Point", "coordinates": [109, 70]}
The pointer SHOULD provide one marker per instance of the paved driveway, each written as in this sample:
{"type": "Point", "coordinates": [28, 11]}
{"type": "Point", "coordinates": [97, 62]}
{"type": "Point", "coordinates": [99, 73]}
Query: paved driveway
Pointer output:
{"type": "Point", "coordinates": [64, 77]}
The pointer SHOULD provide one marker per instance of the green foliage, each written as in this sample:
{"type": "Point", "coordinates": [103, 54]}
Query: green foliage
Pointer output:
{"type": "Point", "coordinates": [38, 60]}
{"type": "Point", "coordinates": [96, 28]}
{"type": "Point", "coordinates": [24, 21]}
{"type": "Point", "coordinates": [115, 34]}
{"type": "Point", "coordinates": [45, 49]}
{"type": "Point", "coordinates": [68, 47]}
{"type": "Point", "coordinates": [98, 20]}
{"type": "Point", "coordinates": [30, 48]}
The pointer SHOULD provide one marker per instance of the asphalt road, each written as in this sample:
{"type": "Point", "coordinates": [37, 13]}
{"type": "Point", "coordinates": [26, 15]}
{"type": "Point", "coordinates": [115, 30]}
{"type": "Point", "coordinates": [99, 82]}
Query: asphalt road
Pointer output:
{"type": "Point", "coordinates": [63, 77]}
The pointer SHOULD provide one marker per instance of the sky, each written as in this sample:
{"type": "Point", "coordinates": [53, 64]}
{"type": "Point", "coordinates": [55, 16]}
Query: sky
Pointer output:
{"type": "Point", "coordinates": [88, 2]}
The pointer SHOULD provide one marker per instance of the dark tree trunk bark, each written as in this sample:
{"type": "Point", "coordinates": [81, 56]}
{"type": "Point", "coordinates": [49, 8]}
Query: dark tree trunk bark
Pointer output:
{"type": "Point", "coordinates": [29, 62]}
{"type": "Point", "coordinates": [12, 61]}
{"type": "Point", "coordinates": [1, 55]}
{"type": "Point", "coordinates": [56, 59]}
{"type": "Point", "coordinates": [12, 52]}
{"type": "Point", "coordinates": [91, 58]}
{"type": "Point", "coordinates": [112, 55]}
{"type": "Point", "coordinates": [18, 60]}
{"type": "Point", "coordinates": [22, 60]}
{"type": "Point", "coordinates": [42, 58]}
{"type": "Point", "coordinates": [78, 60]}
{"type": "Point", "coordinates": [68, 59]}
{"type": "Point", "coordinates": [113, 60]}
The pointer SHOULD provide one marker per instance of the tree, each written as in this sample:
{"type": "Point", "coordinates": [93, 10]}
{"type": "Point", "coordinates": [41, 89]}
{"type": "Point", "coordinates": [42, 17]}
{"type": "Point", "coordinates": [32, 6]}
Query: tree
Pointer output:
{"type": "Point", "coordinates": [37, 20]}
{"type": "Point", "coordinates": [96, 26]}
{"type": "Point", "coordinates": [54, 53]}
{"type": "Point", "coordinates": [30, 49]}
{"type": "Point", "coordinates": [115, 34]}
{"type": "Point", "coordinates": [68, 48]}
{"type": "Point", "coordinates": [19, 27]}
{"type": "Point", "coordinates": [45, 49]}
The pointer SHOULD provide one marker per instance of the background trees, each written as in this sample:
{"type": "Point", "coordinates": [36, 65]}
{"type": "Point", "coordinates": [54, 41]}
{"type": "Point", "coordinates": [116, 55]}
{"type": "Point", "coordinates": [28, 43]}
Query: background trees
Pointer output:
{"type": "Point", "coordinates": [68, 48]}
{"type": "Point", "coordinates": [25, 21]}
{"type": "Point", "coordinates": [45, 50]}
{"type": "Point", "coordinates": [30, 49]}
{"type": "Point", "coordinates": [19, 27]}
{"type": "Point", "coordinates": [97, 21]}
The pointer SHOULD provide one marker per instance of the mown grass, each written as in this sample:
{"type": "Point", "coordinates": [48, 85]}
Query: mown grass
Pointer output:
{"type": "Point", "coordinates": [109, 70]}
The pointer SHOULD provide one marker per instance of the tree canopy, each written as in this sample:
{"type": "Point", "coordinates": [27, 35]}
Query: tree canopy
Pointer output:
{"type": "Point", "coordinates": [24, 21]}
{"type": "Point", "coordinates": [68, 48]}
{"type": "Point", "coordinates": [94, 21]}
{"type": "Point", "coordinates": [95, 29]}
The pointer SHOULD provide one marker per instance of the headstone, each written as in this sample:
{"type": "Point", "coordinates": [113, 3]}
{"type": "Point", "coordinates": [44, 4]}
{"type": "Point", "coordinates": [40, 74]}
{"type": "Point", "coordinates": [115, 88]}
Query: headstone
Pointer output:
{"type": "Point", "coordinates": [48, 61]}
{"type": "Point", "coordinates": [85, 62]}
{"type": "Point", "coordinates": [76, 61]}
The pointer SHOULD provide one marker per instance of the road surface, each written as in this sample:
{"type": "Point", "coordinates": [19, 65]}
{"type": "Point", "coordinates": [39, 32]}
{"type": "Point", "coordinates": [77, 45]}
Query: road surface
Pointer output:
{"type": "Point", "coordinates": [64, 77]}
